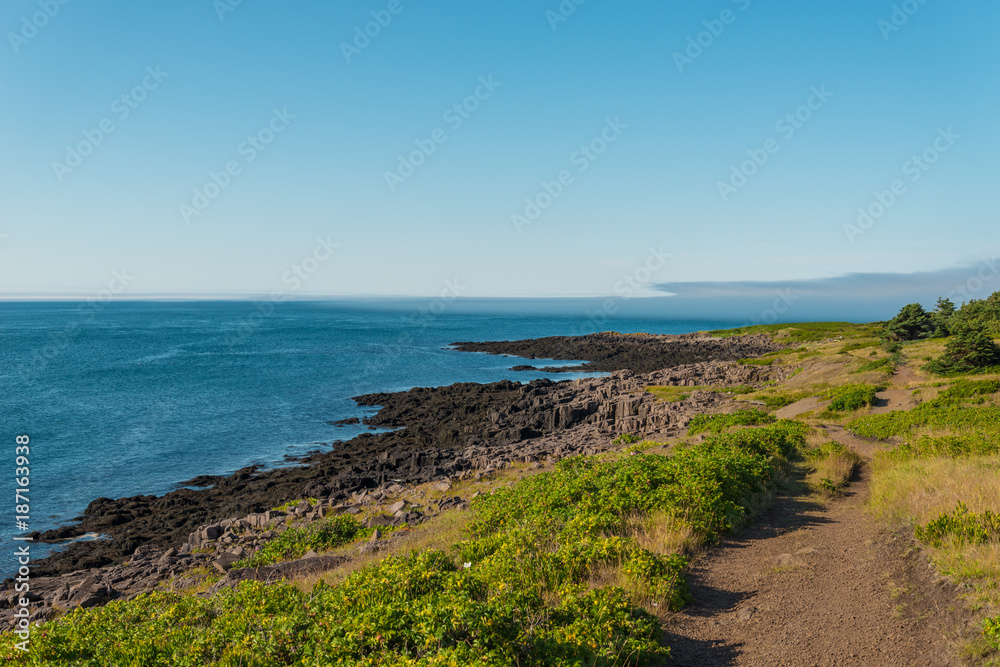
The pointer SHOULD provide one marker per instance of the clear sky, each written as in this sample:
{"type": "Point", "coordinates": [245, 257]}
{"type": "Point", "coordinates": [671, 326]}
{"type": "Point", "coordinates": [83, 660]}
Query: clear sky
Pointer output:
{"type": "Point", "coordinates": [309, 115]}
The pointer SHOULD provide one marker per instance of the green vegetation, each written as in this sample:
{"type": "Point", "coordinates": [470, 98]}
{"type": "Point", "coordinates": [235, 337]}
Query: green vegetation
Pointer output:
{"type": "Point", "coordinates": [958, 408]}
{"type": "Point", "coordinates": [800, 332]}
{"type": "Point", "coordinates": [673, 394]}
{"type": "Point", "coordinates": [777, 401]}
{"type": "Point", "coordinates": [552, 573]}
{"type": "Point", "coordinates": [969, 349]}
{"type": "Point", "coordinates": [911, 323]}
{"type": "Point", "coordinates": [292, 504]}
{"type": "Point", "coordinates": [721, 422]}
{"type": "Point", "coordinates": [318, 536]}
{"type": "Point", "coordinates": [418, 610]}
{"type": "Point", "coordinates": [969, 329]}
{"type": "Point", "coordinates": [960, 526]}
{"type": "Point", "coordinates": [851, 397]}
{"type": "Point", "coordinates": [626, 439]}
{"type": "Point", "coordinates": [885, 365]}
{"type": "Point", "coordinates": [991, 632]}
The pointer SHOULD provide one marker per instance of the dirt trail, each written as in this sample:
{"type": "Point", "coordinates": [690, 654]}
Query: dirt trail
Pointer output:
{"type": "Point", "coordinates": [897, 397]}
{"type": "Point", "coordinates": [817, 584]}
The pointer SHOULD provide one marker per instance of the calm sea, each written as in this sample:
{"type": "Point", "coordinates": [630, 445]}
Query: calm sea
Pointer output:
{"type": "Point", "coordinates": [132, 398]}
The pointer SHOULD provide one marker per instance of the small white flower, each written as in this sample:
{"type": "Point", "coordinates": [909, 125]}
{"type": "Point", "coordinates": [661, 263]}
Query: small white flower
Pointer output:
{"type": "Point", "coordinates": [468, 565]}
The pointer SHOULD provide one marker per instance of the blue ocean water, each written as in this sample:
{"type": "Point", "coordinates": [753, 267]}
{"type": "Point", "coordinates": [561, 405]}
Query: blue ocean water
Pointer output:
{"type": "Point", "coordinates": [135, 397]}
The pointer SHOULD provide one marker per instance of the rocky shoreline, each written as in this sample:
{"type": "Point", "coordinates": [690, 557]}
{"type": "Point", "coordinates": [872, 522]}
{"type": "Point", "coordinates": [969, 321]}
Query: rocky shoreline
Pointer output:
{"type": "Point", "coordinates": [441, 435]}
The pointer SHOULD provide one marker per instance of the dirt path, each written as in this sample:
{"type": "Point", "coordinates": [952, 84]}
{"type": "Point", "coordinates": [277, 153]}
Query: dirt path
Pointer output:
{"type": "Point", "coordinates": [816, 583]}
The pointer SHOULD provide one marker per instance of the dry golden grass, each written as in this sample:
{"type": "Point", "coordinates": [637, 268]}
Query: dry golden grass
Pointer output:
{"type": "Point", "coordinates": [921, 489]}
{"type": "Point", "coordinates": [660, 533]}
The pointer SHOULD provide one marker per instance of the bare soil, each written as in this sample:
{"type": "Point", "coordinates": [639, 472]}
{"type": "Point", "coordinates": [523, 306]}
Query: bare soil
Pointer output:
{"type": "Point", "coordinates": [819, 582]}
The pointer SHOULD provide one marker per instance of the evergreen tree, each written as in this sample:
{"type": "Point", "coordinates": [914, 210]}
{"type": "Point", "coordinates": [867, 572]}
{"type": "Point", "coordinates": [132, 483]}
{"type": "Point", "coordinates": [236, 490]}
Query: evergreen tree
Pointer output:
{"type": "Point", "coordinates": [941, 318]}
{"type": "Point", "coordinates": [911, 323]}
{"type": "Point", "coordinates": [970, 348]}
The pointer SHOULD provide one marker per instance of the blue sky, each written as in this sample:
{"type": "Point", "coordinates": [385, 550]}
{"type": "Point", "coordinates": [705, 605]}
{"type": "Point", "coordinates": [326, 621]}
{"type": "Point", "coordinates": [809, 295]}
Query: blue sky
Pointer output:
{"type": "Point", "coordinates": [607, 74]}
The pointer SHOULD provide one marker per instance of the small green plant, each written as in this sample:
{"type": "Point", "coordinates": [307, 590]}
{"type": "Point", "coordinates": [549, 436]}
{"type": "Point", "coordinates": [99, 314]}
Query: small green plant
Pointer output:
{"type": "Point", "coordinates": [960, 526]}
{"type": "Point", "coordinates": [292, 504]}
{"type": "Point", "coordinates": [317, 536]}
{"type": "Point", "coordinates": [626, 439]}
{"type": "Point", "coordinates": [991, 632]}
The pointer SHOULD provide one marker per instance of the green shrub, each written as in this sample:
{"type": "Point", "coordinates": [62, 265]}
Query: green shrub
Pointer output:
{"type": "Point", "coordinates": [911, 323]}
{"type": "Point", "coordinates": [626, 439]}
{"type": "Point", "coordinates": [322, 535]}
{"type": "Point", "coordinates": [851, 397]}
{"type": "Point", "coordinates": [417, 610]}
{"type": "Point", "coordinates": [521, 595]}
{"type": "Point", "coordinates": [991, 632]}
{"type": "Point", "coordinates": [960, 526]}
{"type": "Point", "coordinates": [968, 350]}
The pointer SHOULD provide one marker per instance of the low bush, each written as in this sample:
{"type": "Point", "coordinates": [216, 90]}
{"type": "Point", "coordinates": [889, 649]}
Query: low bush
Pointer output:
{"type": "Point", "coordinates": [317, 536]}
{"type": "Point", "coordinates": [851, 397]}
{"type": "Point", "coordinates": [991, 632]}
{"type": "Point", "coordinates": [962, 527]}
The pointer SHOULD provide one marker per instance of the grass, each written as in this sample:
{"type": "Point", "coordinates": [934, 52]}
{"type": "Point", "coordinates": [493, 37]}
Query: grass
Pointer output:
{"type": "Point", "coordinates": [800, 332]}
{"type": "Point", "coordinates": [722, 422]}
{"type": "Point", "coordinates": [831, 467]}
{"type": "Point", "coordinates": [884, 365]}
{"type": "Point", "coordinates": [674, 394]}
{"type": "Point", "coordinates": [851, 397]}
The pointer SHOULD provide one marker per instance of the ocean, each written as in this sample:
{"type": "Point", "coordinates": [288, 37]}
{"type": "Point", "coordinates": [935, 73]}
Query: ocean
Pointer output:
{"type": "Point", "coordinates": [132, 398]}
